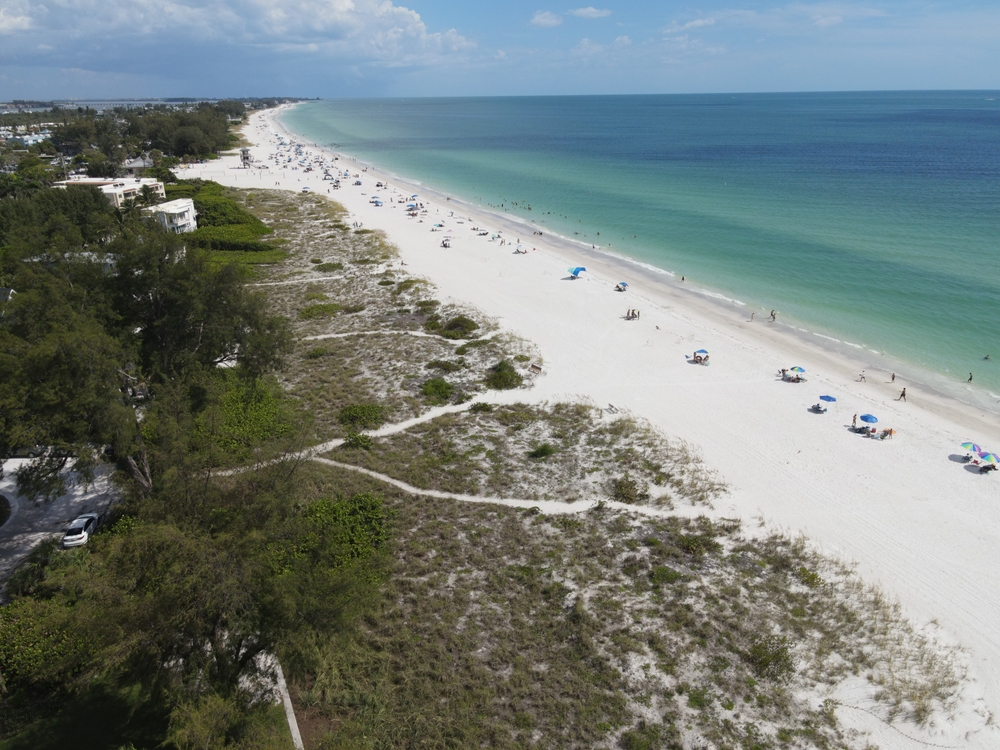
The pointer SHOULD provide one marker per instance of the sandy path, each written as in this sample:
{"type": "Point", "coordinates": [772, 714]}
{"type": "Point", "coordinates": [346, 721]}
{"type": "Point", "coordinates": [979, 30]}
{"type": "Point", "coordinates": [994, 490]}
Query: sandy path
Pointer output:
{"type": "Point", "coordinates": [921, 526]}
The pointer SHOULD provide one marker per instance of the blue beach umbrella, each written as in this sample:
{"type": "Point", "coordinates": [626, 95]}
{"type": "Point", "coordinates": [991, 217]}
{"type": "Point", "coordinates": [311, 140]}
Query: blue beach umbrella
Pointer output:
{"type": "Point", "coordinates": [869, 418]}
{"type": "Point", "coordinates": [576, 271]}
{"type": "Point", "coordinates": [623, 284]}
{"type": "Point", "coordinates": [701, 351]}
{"type": "Point", "coordinates": [414, 196]}
{"type": "Point", "coordinates": [830, 399]}
{"type": "Point", "coordinates": [796, 369]}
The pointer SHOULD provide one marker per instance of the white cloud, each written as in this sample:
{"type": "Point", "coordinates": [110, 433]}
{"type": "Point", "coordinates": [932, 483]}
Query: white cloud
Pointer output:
{"type": "Point", "coordinates": [590, 12]}
{"type": "Point", "coordinates": [363, 30]}
{"type": "Point", "coordinates": [545, 19]}
{"type": "Point", "coordinates": [586, 48]}
{"type": "Point", "coordinates": [622, 41]}
{"type": "Point", "coordinates": [500, 55]}
{"type": "Point", "coordinates": [827, 20]}
{"type": "Point", "coordinates": [11, 23]}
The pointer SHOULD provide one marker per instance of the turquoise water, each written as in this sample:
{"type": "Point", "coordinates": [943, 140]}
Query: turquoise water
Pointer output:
{"type": "Point", "coordinates": [871, 218]}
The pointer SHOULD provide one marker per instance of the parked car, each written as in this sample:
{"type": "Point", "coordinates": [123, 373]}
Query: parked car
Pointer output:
{"type": "Point", "coordinates": [33, 451]}
{"type": "Point", "coordinates": [80, 530]}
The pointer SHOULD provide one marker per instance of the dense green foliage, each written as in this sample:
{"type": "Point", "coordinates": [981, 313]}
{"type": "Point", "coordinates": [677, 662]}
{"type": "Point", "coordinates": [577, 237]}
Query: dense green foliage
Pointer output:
{"type": "Point", "coordinates": [222, 223]}
{"type": "Point", "coordinates": [362, 416]}
{"type": "Point", "coordinates": [119, 335]}
{"type": "Point", "coordinates": [503, 377]}
{"type": "Point", "coordinates": [459, 327]}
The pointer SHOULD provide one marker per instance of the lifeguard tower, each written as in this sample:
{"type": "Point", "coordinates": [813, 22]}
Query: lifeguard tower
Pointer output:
{"type": "Point", "coordinates": [245, 158]}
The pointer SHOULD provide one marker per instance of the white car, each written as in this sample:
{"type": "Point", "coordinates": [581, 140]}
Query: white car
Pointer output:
{"type": "Point", "coordinates": [80, 530]}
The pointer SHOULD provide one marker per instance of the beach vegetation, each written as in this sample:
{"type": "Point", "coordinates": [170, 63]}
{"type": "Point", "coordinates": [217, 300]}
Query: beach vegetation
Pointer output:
{"type": "Point", "coordinates": [437, 391]}
{"type": "Point", "coordinates": [481, 407]}
{"type": "Point", "coordinates": [541, 451]}
{"type": "Point", "coordinates": [329, 267]}
{"type": "Point", "coordinates": [362, 416]}
{"type": "Point", "coordinates": [446, 365]}
{"type": "Point", "coordinates": [503, 377]}
{"type": "Point", "coordinates": [321, 310]}
{"type": "Point", "coordinates": [358, 440]}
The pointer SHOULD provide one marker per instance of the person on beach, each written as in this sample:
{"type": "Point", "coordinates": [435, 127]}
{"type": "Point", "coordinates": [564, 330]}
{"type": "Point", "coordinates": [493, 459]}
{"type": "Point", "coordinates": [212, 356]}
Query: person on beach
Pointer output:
{"type": "Point", "coordinates": [751, 317]}
{"type": "Point", "coordinates": [862, 378]}
{"type": "Point", "coordinates": [893, 378]}
{"type": "Point", "coordinates": [774, 316]}
{"type": "Point", "coordinates": [854, 422]}
{"type": "Point", "coordinates": [970, 378]}
{"type": "Point", "coordinates": [902, 395]}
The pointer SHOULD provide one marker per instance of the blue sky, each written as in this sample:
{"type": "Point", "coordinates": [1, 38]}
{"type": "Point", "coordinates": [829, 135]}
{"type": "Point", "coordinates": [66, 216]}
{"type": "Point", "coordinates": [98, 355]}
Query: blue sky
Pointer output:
{"type": "Point", "coordinates": [331, 48]}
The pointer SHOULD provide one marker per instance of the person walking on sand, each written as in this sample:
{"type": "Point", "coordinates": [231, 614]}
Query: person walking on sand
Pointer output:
{"type": "Point", "coordinates": [902, 395]}
{"type": "Point", "coordinates": [854, 422]}
{"type": "Point", "coordinates": [893, 378]}
{"type": "Point", "coordinates": [862, 378]}
{"type": "Point", "coordinates": [774, 316]}
{"type": "Point", "coordinates": [751, 317]}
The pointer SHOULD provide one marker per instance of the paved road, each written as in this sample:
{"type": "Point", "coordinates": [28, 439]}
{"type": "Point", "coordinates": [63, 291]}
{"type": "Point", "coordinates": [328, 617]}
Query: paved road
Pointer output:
{"type": "Point", "coordinates": [32, 523]}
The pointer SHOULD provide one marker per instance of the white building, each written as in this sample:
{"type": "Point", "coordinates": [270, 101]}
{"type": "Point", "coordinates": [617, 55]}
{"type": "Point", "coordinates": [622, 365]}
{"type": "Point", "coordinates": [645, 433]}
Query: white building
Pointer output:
{"type": "Point", "coordinates": [177, 216]}
{"type": "Point", "coordinates": [117, 189]}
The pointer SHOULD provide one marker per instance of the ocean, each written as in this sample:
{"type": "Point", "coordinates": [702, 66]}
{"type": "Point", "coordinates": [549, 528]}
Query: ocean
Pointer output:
{"type": "Point", "coordinates": [870, 221]}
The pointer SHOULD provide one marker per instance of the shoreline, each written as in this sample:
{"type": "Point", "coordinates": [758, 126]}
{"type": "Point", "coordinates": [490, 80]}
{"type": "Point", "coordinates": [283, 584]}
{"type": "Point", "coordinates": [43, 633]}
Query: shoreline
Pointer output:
{"type": "Point", "coordinates": [915, 522]}
{"type": "Point", "coordinates": [945, 392]}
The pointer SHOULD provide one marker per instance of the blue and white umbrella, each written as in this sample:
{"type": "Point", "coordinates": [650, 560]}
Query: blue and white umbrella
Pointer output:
{"type": "Point", "coordinates": [623, 284]}
{"type": "Point", "coordinates": [701, 351]}
{"type": "Point", "coordinates": [576, 271]}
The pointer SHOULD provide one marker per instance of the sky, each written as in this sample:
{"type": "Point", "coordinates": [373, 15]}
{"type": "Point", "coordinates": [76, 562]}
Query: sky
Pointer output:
{"type": "Point", "coordinates": [376, 48]}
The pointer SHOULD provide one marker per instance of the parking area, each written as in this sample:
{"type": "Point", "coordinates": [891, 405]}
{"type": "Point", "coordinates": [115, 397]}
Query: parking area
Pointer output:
{"type": "Point", "coordinates": [31, 523]}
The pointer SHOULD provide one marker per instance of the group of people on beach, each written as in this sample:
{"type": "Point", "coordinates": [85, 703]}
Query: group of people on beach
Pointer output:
{"type": "Point", "coordinates": [632, 315]}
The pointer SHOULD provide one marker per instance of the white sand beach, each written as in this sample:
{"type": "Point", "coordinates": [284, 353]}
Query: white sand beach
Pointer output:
{"type": "Point", "coordinates": [916, 522]}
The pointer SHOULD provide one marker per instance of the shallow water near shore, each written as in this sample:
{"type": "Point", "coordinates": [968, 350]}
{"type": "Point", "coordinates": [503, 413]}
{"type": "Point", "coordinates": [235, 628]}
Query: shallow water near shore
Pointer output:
{"type": "Point", "coordinates": [871, 219]}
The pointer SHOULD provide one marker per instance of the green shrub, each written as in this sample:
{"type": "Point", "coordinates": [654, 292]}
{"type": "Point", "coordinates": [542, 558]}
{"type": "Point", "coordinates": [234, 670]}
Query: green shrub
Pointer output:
{"type": "Point", "coordinates": [459, 327]}
{"type": "Point", "coordinates": [470, 345]}
{"type": "Point", "coordinates": [699, 698]}
{"type": "Point", "coordinates": [329, 267]}
{"type": "Point", "coordinates": [315, 261]}
{"type": "Point", "coordinates": [351, 309]}
{"type": "Point", "coordinates": [445, 365]}
{"type": "Point", "coordinates": [322, 310]}
{"type": "Point", "coordinates": [522, 358]}
{"type": "Point", "coordinates": [317, 352]}
{"type": "Point", "coordinates": [480, 407]}
{"type": "Point", "coordinates": [426, 306]}
{"type": "Point", "coordinates": [769, 658]}
{"type": "Point", "coordinates": [437, 390]}
{"type": "Point", "coordinates": [315, 296]}
{"type": "Point", "coordinates": [627, 490]}
{"type": "Point", "coordinates": [357, 417]}
{"type": "Point", "coordinates": [542, 451]}
{"type": "Point", "coordinates": [364, 231]}
{"type": "Point", "coordinates": [406, 285]}
{"type": "Point", "coordinates": [662, 575]}
{"type": "Point", "coordinates": [808, 577]}
{"type": "Point", "coordinates": [356, 440]}
{"type": "Point", "coordinates": [503, 377]}
{"type": "Point", "coordinates": [387, 282]}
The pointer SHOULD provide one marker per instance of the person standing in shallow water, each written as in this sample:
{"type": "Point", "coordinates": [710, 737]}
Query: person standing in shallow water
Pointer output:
{"type": "Point", "coordinates": [970, 378]}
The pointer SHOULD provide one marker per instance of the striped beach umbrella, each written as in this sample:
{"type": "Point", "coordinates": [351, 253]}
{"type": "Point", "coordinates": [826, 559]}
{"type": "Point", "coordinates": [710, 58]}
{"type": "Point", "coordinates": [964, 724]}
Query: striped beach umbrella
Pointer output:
{"type": "Point", "coordinates": [989, 458]}
{"type": "Point", "coordinates": [796, 369]}
{"type": "Point", "coordinates": [972, 447]}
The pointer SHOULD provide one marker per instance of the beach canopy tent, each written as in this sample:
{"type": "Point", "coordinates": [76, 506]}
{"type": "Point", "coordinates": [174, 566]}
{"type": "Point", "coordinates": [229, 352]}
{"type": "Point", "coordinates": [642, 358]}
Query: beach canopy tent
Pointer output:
{"type": "Point", "coordinates": [869, 418]}
{"type": "Point", "coordinates": [829, 399]}
{"type": "Point", "coordinates": [576, 271]}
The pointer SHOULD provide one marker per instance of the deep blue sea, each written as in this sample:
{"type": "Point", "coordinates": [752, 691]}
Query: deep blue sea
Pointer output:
{"type": "Point", "coordinates": [869, 218]}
